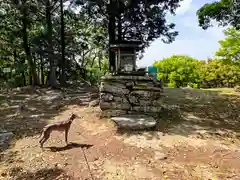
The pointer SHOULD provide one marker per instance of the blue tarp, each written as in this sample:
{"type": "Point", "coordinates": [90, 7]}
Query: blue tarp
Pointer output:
{"type": "Point", "coordinates": [152, 69]}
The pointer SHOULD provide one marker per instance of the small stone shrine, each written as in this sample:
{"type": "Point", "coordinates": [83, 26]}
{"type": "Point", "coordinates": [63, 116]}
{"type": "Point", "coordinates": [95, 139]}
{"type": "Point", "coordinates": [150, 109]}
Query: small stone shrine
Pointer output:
{"type": "Point", "coordinates": [128, 90]}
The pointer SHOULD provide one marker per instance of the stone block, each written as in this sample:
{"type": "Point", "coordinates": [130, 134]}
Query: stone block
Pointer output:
{"type": "Point", "coordinates": [133, 78]}
{"type": "Point", "coordinates": [111, 113]}
{"type": "Point", "coordinates": [136, 122]}
{"type": "Point", "coordinates": [115, 88]}
{"type": "Point", "coordinates": [146, 94]}
{"type": "Point", "coordinates": [114, 105]}
{"type": "Point", "coordinates": [151, 109]}
{"type": "Point", "coordinates": [106, 97]}
{"type": "Point", "coordinates": [5, 138]}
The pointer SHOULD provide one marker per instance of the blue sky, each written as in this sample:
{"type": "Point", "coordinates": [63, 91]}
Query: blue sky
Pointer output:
{"type": "Point", "coordinates": [191, 41]}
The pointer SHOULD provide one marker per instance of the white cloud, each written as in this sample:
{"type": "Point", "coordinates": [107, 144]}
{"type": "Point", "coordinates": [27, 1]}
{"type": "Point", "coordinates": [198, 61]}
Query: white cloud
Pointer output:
{"type": "Point", "coordinates": [203, 46]}
{"type": "Point", "coordinates": [192, 40]}
{"type": "Point", "coordinates": [184, 7]}
{"type": "Point", "coordinates": [200, 49]}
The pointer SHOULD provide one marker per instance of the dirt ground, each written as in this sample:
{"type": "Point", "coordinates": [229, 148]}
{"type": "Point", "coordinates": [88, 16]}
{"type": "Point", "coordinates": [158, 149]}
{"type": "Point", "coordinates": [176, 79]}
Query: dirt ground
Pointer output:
{"type": "Point", "coordinates": [197, 138]}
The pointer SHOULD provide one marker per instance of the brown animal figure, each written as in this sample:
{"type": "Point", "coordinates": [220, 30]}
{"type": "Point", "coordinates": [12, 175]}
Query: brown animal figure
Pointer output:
{"type": "Point", "coordinates": [58, 126]}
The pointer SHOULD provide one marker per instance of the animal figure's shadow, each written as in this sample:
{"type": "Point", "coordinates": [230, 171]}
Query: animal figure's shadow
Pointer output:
{"type": "Point", "coordinates": [69, 146]}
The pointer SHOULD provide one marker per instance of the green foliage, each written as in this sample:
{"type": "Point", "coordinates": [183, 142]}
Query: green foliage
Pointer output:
{"type": "Point", "coordinates": [179, 71]}
{"type": "Point", "coordinates": [225, 12]}
{"type": "Point", "coordinates": [230, 46]}
{"type": "Point", "coordinates": [140, 20]}
{"type": "Point", "coordinates": [219, 73]}
{"type": "Point", "coordinates": [95, 72]}
{"type": "Point", "coordinates": [85, 42]}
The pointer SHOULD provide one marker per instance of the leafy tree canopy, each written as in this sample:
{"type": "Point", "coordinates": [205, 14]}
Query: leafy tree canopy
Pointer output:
{"type": "Point", "coordinates": [230, 47]}
{"type": "Point", "coordinates": [225, 12]}
{"type": "Point", "coordinates": [136, 19]}
{"type": "Point", "coordinates": [179, 70]}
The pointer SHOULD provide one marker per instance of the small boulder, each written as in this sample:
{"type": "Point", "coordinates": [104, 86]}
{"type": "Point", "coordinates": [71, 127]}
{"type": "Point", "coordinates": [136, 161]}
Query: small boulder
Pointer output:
{"type": "Point", "coordinates": [94, 96]}
{"type": "Point", "coordinates": [160, 156]}
{"type": "Point", "coordinates": [112, 113]}
{"type": "Point", "coordinates": [5, 138]}
{"type": "Point", "coordinates": [136, 122]}
{"type": "Point", "coordinates": [237, 88]}
{"type": "Point", "coordinates": [94, 103]}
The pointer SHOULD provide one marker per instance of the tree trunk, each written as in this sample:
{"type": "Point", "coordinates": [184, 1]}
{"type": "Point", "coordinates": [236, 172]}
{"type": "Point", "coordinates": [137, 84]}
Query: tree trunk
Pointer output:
{"type": "Point", "coordinates": [24, 78]}
{"type": "Point", "coordinates": [99, 62]}
{"type": "Point", "coordinates": [15, 56]}
{"type": "Point", "coordinates": [52, 78]}
{"type": "Point", "coordinates": [32, 68]}
{"type": "Point", "coordinates": [112, 34]}
{"type": "Point", "coordinates": [38, 68]}
{"type": "Point", "coordinates": [63, 63]}
{"type": "Point", "coordinates": [42, 70]}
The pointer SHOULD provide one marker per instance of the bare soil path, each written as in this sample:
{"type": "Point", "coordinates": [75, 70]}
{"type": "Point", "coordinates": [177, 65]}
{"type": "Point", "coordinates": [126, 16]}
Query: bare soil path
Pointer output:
{"type": "Point", "coordinates": [197, 137]}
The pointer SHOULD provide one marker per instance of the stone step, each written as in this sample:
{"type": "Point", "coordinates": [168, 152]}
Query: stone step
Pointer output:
{"type": "Point", "coordinates": [136, 122]}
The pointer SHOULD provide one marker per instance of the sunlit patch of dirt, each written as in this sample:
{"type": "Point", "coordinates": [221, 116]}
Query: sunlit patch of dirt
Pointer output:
{"type": "Point", "coordinates": [126, 171]}
{"type": "Point", "coordinates": [198, 142]}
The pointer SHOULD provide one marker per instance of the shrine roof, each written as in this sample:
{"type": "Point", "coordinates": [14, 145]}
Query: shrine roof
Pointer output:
{"type": "Point", "coordinates": [125, 44]}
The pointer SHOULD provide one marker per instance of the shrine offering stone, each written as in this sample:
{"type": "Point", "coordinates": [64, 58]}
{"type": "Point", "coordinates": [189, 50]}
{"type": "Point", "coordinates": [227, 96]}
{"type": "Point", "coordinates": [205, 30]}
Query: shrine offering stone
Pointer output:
{"type": "Point", "coordinates": [136, 122]}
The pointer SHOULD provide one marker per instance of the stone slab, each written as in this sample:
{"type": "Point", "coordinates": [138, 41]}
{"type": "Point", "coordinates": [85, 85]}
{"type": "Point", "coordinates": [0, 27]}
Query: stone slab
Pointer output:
{"type": "Point", "coordinates": [150, 109]}
{"type": "Point", "coordinates": [114, 105]}
{"type": "Point", "coordinates": [147, 88]}
{"type": "Point", "coordinates": [115, 88]}
{"type": "Point", "coordinates": [137, 78]}
{"type": "Point", "coordinates": [112, 113]}
{"type": "Point", "coordinates": [146, 94]}
{"type": "Point", "coordinates": [5, 138]}
{"type": "Point", "coordinates": [136, 122]}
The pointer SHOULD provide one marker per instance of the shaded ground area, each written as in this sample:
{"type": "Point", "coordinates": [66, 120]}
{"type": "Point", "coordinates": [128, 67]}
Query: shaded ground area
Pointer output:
{"type": "Point", "coordinates": [24, 111]}
{"type": "Point", "coordinates": [197, 137]}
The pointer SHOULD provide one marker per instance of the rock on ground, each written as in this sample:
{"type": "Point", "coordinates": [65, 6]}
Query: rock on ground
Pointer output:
{"type": "Point", "coordinates": [237, 88]}
{"type": "Point", "coordinates": [94, 103]}
{"type": "Point", "coordinates": [5, 139]}
{"type": "Point", "coordinates": [160, 156]}
{"type": "Point", "coordinates": [134, 121]}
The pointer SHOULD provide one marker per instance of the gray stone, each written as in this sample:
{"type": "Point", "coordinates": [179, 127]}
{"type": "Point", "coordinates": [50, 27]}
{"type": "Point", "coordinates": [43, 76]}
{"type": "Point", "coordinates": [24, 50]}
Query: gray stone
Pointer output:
{"type": "Point", "coordinates": [107, 97]}
{"type": "Point", "coordinates": [135, 78]}
{"type": "Point", "coordinates": [160, 156]}
{"type": "Point", "coordinates": [157, 102]}
{"type": "Point", "coordinates": [94, 103]}
{"type": "Point", "coordinates": [159, 84]}
{"type": "Point", "coordinates": [145, 113]}
{"type": "Point", "coordinates": [140, 102]}
{"type": "Point", "coordinates": [152, 109]}
{"type": "Point", "coordinates": [111, 113]}
{"type": "Point", "coordinates": [237, 88]}
{"type": "Point", "coordinates": [5, 138]}
{"type": "Point", "coordinates": [129, 84]}
{"type": "Point", "coordinates": [94, 96]}
{"type": "Point", "coordinates": [146, 88]}
{"type": "Point", "coordinates": [112, 87]}
{"type": "Point", "coordinates": [133, 99]}
{"type": "Point", "coordinates": [114, 105]}
{"type": "Point", "coordinates": [144, 102]}
{"type": "Point", "coordinates": [146, 94]}
{"type": "Point", "coordinates": [122, 99]}
{"type": "Point", "coordinates": [134, 121]}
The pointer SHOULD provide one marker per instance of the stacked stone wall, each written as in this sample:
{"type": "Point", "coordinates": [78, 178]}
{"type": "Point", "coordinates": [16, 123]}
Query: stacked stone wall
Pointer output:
{"type": "Point", "coordinates": [129, 95]}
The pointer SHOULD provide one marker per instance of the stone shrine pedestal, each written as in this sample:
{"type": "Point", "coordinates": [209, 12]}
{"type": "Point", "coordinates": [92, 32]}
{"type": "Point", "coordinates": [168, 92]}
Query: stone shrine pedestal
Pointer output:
{"type": "Point", "coordinates": [126, 94]}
